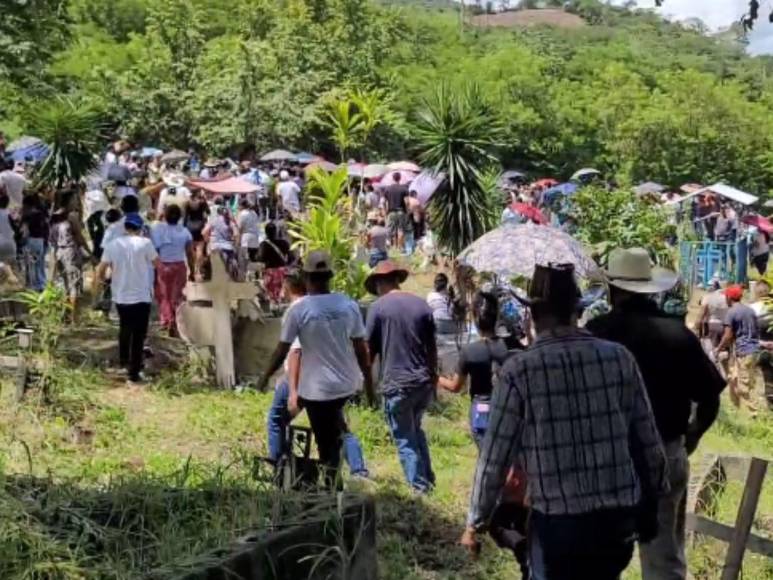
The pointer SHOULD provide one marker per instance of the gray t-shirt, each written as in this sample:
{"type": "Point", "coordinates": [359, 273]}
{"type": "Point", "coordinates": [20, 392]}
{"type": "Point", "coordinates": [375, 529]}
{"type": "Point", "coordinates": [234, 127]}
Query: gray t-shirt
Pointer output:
{"type": "Point", "coordinates": [378, 238]}
{"type": "Point", "coordinates": [743, 321]}
{"type": "Point", "coordinates": [401, 332]}
{"type": "Point", "coordinates": [325, 325]}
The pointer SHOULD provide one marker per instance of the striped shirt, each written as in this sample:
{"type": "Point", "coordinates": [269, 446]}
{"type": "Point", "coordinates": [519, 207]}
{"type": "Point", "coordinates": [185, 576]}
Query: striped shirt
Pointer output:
{"type": "Point", "coordinates": [573, 412]}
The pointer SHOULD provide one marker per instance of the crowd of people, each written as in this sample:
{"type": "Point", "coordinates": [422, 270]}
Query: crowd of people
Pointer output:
{"type": "Point", "coordinates": [583, 430]}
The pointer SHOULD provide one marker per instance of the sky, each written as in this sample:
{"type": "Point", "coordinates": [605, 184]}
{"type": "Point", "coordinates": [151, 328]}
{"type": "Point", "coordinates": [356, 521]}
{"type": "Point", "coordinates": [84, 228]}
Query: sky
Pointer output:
{"type": "Point", "coordinates": [718, 14]}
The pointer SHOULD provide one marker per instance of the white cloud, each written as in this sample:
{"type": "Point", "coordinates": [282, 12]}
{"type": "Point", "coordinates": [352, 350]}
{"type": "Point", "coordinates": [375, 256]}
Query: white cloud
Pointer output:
{"type": "Point", "coordinates": [717, 14]}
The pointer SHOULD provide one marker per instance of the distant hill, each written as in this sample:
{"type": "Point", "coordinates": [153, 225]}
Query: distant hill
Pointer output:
{"type": "Point", "coordinates": [518, 18]}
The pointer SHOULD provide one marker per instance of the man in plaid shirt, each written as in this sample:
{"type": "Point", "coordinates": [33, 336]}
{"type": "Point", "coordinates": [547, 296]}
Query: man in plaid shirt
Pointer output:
{"type": "Point", "coordinates": [573, 412]}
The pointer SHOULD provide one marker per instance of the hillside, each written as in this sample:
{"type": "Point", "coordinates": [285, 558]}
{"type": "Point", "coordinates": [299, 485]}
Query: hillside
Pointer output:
{"type": "Point", "coordinates": [518, 18]}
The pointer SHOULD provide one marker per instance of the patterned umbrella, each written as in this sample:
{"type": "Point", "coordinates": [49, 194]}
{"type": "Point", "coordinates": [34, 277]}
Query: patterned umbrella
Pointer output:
{"type": "Point", "coordinates": [374, 170]}
{"type": "Point", "coordinates": [405, 178]}
{"type": "Point", "coordinates": [515, 249]}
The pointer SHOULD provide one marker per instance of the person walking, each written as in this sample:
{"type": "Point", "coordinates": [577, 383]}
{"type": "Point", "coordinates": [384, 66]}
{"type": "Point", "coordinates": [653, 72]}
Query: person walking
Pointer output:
{"type": "Point", "coordinates": [284, 407]}
{"type": "Point", "coordinates": [395, 197]}
{"type": "Point", "coordinates": [574, 410]}
{"type": "Point", "coordinates": [441, 302]}
{"type": "Point", "coordinates": [34, 225]}
{"type": "Point", "coordinates": [742, 337]}
{"type": "Point", "coordinates": [174, 244]}
{"type": "Point", "coordinates": [401, 333]}
{"type": "Point", "coordinates": [377, 237]}
{"type": "Point", "coordinates": [678, 375]}
{"type": "Point", "coordinates": [7, 235]}
{"type": "Point", "coordinates": [275, 255]}
{"type": "Point", "coordinates": [329, 328]}
{"type": "Point", "coordinates": [69, 247]}
{"type": "Point", "coordinates": [222, 234]}
{"type": "Point", "coordinates": [131, 259]}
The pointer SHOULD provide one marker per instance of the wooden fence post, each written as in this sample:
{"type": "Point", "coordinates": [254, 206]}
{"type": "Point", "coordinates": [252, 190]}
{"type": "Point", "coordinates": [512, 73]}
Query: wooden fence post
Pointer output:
{"type": "Point", "coordinates": [745, 518]}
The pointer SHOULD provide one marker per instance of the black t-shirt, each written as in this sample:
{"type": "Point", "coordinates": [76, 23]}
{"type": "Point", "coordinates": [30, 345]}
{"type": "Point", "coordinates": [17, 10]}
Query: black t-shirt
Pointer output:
{"type": "Point", "coordinates": [401, 331]}
{"type": "Point", "coordinates": [395, 197]}
{"type": "Point", "coordinates": [478, 361]}
{"type": "Point", "coordinates": [267, 253]}
{"type": "Point", "coordinates": [36, 221]}
{"type": "Point", "coordinates": [674, 366]}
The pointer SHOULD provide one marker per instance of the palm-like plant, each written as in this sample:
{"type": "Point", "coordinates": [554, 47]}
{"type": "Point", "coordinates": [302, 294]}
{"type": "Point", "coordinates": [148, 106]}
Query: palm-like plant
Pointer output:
{"type": "Point", "coordinates": [74, 135]}
{"type": "Point", "coordinates": [326, 228]}
{"type": "Point", "coordinates": [345, 123]}
{"type": "Point", "coordinates": [458, 133]}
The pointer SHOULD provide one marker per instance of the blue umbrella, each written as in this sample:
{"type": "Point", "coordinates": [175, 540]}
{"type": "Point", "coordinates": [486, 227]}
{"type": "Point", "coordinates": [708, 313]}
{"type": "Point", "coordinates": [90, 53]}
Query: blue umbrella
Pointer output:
{"type": "Point", "coordinates": [563, 189]}
{"type": "Point", "coordinates": [304, 157]}
{"type": "Point", "coordinates": [33, 153]}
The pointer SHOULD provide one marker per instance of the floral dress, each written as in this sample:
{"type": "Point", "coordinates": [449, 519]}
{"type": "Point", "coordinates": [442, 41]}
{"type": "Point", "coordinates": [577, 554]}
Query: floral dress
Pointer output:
{"type": "Point", "coordinates": [68, 259]}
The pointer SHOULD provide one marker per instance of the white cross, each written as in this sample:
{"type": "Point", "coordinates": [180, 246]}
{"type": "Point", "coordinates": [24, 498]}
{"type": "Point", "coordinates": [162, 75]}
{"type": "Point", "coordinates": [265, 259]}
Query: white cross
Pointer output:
{"type": "Point", "coordinates": [215, 326]}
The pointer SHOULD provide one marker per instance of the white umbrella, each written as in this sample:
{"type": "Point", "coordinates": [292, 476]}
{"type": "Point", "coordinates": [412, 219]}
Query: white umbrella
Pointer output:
{"type": "Point", "coordinates": [404, 166]}
{"type": "Point", "coordinates": [585, 172]}
{"type": "Point", "coordinates": [405, 178]}
{"type": "Point", "coordinates": [279, 155]}
{"type": "Point", "coordinates": [174, 156]}
{"type": "Point", "coordinates": [374, 170]}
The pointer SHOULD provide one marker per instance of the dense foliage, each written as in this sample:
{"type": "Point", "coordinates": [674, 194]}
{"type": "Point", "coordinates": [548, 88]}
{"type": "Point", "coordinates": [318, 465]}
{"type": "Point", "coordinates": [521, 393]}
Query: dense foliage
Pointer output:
{"type": "Point", "coordinates": [635, 96]}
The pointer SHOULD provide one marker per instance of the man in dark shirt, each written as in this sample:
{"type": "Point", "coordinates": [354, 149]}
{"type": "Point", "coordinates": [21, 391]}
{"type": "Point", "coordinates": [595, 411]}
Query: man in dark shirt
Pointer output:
{"type": "Point", "coordinates": [395, 196]}
{"type": "Point", "coordinates": [742, 331]}
{"type": "Point", "coordinates": [401, 332]}
{"type": "Point", "coordinates": [677, 373]}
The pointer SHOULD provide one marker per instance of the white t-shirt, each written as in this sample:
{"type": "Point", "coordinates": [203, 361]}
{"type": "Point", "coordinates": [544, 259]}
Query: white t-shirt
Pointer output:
{"type": "Point", "coordinates": [181, 197]}
{"type": "Point", "coordinates": [441, 306]}
{"type": "Point", "coordinates": [325, 324]}
{"type": "Point", "coordinates": [288, 193]}
{"type": "Point", "coordinates": [249, 226]}
{"type": "Point", "coordinates": [13, 183]}
{"type": "Point", "coordinates": [131, 258]}
{"type": "Point", "coordinates": [95, 200]}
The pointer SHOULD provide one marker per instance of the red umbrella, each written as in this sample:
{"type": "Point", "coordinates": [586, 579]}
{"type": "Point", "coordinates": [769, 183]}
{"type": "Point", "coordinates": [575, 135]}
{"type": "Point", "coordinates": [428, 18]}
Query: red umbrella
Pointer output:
{"type": "Point", "coordinates": [761, 223]}
{"type": "Point", "coordinates": [529, 211]}
{"type": "Point", "coordinates": [547, 182]}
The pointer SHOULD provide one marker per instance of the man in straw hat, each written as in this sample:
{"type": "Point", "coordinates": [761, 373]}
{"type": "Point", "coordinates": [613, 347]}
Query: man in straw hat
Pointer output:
{"type": "Point", "coordinates": [401, 333]}
{"type": "Point", "coordinates": [335, 365]}
{"type": "Point", "coordinates": [678, 373]}
{"type": "Point", "coordinates": [573, 411]}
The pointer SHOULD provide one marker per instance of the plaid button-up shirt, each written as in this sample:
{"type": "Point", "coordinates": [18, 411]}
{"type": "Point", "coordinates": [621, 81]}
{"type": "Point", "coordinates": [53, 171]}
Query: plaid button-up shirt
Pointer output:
{"type": "Point", "coordinates": [573, 412]}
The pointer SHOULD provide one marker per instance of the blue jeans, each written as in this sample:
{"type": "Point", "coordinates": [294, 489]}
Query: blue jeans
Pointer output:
{"type": "Point", "coordinates": [597, 545]}
{"type": "Point", "coordinates": [404, 410]}
{"type": "Point", "coordinates": [279, 419]}
{"type": "Point", "coordinates": [409, 242]}
{"type": "Point", "coordinates": [377, 256]}
{"type": "Point", "coordinates": [36, 269]}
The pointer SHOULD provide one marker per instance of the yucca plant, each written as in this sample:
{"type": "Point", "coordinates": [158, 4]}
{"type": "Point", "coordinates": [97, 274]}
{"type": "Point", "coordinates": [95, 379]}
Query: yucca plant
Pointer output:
{"type": "Point", "coordinates": [74, 134]}
{"type": "Point", "coordinates": [458, 133]}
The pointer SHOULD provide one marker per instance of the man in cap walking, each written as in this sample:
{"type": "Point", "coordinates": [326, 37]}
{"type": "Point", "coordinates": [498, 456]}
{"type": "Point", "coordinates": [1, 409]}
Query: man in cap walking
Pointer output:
{"type": "Point", "coordinates": [335, 366]}
{"type": "Point", "coordinates": [678, 374]}
{"type": "Point", "coordinates": [401, 333]}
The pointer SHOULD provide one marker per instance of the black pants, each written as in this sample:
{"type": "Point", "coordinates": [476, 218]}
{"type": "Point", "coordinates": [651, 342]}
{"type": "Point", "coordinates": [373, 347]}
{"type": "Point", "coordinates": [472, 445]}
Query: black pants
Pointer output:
{"type": "Point", "coordinates": [328, 425]}
{"type": "Point", "coordinates": [592, 546]}
{"type": "Point", "coordinates": [761, 263]}
{"type": "Point", "coordinates": [96, 232]}
{"type": "Point", "coordinates": [133, 329]}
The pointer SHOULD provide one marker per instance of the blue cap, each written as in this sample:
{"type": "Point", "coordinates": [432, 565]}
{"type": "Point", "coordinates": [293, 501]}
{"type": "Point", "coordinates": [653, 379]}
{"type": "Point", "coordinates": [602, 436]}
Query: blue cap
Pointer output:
{"type": "Point", "coordinates": [133, 220]}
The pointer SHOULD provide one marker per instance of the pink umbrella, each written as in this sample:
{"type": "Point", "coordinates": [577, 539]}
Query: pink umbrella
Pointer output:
{"type": "Point", "coordinates": [224, 186]}
{"type": "Point", "coordinates": [405, 178]}
{"type": "Point", "coordinates": [425, 185]}
{"type": "Point", "coordinates": [355, 169]}
{"type": "Point", "coordinates": [404, 166]}
{"type": "Point", "coordinates": [323, 165]}
{"type": "Point", "coordinates": [530, 212]}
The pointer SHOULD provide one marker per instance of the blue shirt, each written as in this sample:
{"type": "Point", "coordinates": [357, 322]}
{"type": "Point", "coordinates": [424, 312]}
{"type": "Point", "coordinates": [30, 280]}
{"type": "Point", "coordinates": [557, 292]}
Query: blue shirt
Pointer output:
{"type": "Point", "coordinates": [170, 241]}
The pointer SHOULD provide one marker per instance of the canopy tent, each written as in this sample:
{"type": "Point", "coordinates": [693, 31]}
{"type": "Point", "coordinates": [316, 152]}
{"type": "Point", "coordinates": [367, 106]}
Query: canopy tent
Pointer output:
{"type": "Point", "coordinates": [722, 190]}
{"type": "Point", "coordinates": [225, 186]}
{"type": "Point", "coordinates": [33, 153]}
{"type": "Point", "coordinates": [22, 143]}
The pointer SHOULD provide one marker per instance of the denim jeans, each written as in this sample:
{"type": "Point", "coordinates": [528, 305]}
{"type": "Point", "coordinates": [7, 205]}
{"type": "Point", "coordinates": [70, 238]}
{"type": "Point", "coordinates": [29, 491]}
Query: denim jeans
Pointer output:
{"type": "Point", "coordinates": [663, 558]}
{"type": "Point", "coordinates": [36, 268]}
{"type": "Point", "coordinates": [593, 546]}
{"type": "Point", "coordinates": [409, 243]}
{"type": "Point", "coordinates": [377, 256]}
{"type": "Point", "coordinates": [279, 419]}
{"type": "Point", "coordinates": [404, 410]}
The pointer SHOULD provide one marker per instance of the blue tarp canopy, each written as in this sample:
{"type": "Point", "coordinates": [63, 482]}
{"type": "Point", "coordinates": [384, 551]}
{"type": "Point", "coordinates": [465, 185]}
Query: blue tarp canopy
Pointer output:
{"type": "Point", "coordinates": [27, 149]}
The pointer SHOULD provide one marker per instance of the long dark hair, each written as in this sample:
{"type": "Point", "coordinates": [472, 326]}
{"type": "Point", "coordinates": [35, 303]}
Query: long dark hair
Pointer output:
{"type": "Point", "coordinates": [485, 309]}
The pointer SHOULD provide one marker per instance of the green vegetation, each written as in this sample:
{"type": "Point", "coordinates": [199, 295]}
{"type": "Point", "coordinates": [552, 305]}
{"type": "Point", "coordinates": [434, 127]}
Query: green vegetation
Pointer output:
{"type": "Point", "coordinates": [102, 448]}
{"type": "Point", "coordinates": [637, 97]}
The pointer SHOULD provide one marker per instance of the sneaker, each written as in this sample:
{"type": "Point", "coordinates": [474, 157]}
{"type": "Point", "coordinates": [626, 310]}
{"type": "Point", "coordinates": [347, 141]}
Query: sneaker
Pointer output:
{"type": "Point", "coordinates": [138, 381]}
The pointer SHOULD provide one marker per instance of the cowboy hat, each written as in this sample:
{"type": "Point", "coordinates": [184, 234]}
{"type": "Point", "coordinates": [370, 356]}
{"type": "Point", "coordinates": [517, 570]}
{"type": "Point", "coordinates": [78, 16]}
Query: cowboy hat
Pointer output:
{"type": "Point", "coordinates": [382, 270]}
{"type": "Point", "coordinates": [173, 179]}
{"type": "Point", "coordinates": [631, 269]}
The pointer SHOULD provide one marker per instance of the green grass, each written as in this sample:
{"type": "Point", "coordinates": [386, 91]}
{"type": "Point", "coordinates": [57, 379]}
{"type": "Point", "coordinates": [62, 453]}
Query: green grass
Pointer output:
{"type": "Point", "coordinates": [100, 435]}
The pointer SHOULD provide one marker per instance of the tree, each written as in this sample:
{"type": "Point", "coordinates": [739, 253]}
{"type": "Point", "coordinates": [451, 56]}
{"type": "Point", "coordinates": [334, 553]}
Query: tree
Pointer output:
{"type": "Point", "coordinates": [457, 134]}
{"type": "Point", "coordinates": [74, 134]}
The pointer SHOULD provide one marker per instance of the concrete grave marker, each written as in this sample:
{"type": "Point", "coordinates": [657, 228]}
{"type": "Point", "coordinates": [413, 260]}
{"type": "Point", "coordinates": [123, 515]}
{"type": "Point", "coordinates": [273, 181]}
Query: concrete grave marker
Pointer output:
{"type": "Point", "coordinates": [212, 326]}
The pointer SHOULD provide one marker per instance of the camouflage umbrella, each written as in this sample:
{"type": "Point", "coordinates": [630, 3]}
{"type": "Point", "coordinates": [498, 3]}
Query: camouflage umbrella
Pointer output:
{"type": "Point", "coordinates": [515, 249]}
